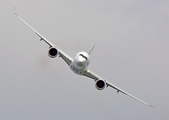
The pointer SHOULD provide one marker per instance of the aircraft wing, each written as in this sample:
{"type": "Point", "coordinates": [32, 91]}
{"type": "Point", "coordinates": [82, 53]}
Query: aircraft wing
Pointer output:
{"type": "Point", "coordinates": [94, 76]}
{"type": "Point", "coordinates": [63, 55]}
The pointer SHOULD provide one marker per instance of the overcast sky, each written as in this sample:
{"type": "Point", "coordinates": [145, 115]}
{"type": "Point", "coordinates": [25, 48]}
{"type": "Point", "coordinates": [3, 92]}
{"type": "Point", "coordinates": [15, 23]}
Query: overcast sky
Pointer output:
{"type": "Point", "coordinates": [132, 52]}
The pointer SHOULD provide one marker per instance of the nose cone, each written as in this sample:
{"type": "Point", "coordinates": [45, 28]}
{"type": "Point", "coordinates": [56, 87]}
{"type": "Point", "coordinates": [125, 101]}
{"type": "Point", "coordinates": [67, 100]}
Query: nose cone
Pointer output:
{"type": "Point", "coordinates": [80, 62]}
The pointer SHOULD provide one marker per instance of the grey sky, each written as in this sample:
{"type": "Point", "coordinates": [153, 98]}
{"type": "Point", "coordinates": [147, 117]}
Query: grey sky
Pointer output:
{"type": "Point", "coordinates": [132, 52]}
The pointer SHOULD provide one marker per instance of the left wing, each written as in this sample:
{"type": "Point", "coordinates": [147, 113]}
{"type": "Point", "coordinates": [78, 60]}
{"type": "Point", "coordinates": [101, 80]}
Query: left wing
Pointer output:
{"type": "Point", "coordinates": [63, 55]}
{"type": "Point", "coordinates": [94, 76]}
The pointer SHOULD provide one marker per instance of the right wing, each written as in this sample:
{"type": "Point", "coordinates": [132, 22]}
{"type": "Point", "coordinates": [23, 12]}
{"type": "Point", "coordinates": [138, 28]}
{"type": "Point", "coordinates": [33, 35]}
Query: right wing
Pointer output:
{"type": "Point", "coordinates": [63, 55]}
{"type": "Point", "coordinates": [94, 76]}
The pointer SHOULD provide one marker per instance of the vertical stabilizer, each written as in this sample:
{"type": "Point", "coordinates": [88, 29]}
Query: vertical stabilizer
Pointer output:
{"type": "Point", "coordinates": [92, 49]}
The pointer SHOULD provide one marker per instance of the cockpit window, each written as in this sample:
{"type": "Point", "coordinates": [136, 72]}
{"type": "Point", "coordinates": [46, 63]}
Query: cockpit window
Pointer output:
{"type": "Point", "coordinates": [83, 56]}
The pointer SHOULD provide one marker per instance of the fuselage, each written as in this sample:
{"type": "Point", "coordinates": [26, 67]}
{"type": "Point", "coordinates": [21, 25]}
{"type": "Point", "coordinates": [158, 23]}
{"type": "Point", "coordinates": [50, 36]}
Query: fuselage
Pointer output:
{"type": "Point", "coordinates": [80, 63]}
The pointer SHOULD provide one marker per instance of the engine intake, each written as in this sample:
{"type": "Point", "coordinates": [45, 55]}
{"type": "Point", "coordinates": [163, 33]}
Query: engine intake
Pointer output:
{"type": "Point", "coordinates": [100, 84]}
{"type": "Point", "coordinates": [53, 52]}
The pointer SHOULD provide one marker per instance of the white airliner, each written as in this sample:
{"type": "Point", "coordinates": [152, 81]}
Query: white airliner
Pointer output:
{"type": "Point", "coordinates": [79, 65]}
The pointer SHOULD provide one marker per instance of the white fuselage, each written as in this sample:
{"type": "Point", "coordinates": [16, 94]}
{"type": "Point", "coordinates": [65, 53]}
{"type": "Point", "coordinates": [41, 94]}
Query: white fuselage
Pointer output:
{"type": "Point", "coordinates": [80, 63]}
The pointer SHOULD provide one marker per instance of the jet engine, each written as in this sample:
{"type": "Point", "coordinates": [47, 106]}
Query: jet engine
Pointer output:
{"type": "Point", "coordinates": [100, 84]}
{"type": "Point", "coordinates": [53, 52]}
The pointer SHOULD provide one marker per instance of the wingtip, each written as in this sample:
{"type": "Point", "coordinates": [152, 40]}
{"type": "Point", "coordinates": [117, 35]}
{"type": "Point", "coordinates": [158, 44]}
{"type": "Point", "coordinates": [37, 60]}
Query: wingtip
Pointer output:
{"type": "Point", "coordinates": [15, 12]}
{"type": "Point", "coordinates": [150, 105]}
{"type": "Point", "coordinates": [153, 106]}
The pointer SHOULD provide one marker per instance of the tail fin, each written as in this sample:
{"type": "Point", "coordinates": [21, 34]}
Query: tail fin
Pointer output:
{"type": "Point", "coordinates": [92, 49]}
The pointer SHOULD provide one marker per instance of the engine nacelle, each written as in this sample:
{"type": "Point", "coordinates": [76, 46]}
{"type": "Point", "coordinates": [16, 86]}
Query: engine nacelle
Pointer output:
{"type": "Point", "coordinates": [100, 84]}
{"type": "Point", "coordinates": [53, 52]}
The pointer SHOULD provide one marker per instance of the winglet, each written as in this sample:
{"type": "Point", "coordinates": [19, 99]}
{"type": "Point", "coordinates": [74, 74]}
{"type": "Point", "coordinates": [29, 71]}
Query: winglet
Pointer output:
{"type": "Point", "coordinates": [153, 106]}
{"type": "Point", "coordinates": [15, 12]}
{"type": "Point", "coordinates": [150, 105]}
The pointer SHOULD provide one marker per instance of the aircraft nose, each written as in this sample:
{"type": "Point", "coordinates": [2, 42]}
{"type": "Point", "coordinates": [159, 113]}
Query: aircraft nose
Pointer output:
{"type": "Point", "coordinates": [83, 56]}
{"type": "Point", "coordinates": [80, 63]}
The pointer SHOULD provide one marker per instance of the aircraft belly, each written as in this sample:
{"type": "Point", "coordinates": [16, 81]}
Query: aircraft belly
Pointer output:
{"type": "Point", "coordinates": [78, 69]}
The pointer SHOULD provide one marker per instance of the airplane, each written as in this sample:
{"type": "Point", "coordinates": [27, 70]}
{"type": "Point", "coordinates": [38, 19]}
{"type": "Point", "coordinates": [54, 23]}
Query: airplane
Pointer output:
{"type": "Point", "coordinates": [79, 65]}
